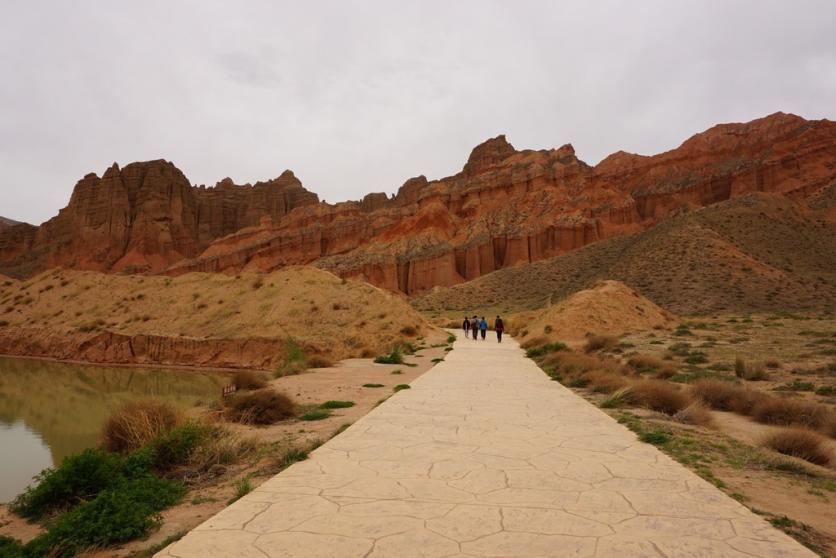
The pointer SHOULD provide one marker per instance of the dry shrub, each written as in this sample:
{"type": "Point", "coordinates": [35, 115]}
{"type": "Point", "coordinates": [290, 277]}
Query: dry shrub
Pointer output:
{"type": "Point", "coordinates": [646, 363]}
{"type": "Point", "coordinates": [695, 414]}
{"type": "Point", "coordinates": [264, 406]}
{"type": "Point", "coordinates": [752, 371]}
{"type": "Point", "coordinates": [409, 331]}
{"type": "Point", "coordinates": [783, 411]}
{"type": "Point", "coordinates": [569, 363]}
{"type": "Point", "coordinates": [649, 363]}
{"type": "Point", "coordinates": [249, 379]}
{"type": "Point", "coordinates": [533, 342]}
{"type": "Point", "coordinates": [800, 442]}
{"type": "Point", "coordinates": [599, 343]}
{"type": "Point", "coordinates": [136, 423]}
{"type": "Point", "coordinates": [725, 396]}
{"type": "Point", "coordinates": [660, 395]}
{"type": "Point", "coordinates": [319, 361]}
{"type": "Point", "coordinates": [604, 382]}
{"type": "Point", "coordinates": [222, 448]}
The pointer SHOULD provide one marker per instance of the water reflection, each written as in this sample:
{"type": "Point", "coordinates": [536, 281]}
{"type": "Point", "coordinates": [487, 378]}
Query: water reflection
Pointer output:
{"type": "Point", "coordinates": [49, 410]}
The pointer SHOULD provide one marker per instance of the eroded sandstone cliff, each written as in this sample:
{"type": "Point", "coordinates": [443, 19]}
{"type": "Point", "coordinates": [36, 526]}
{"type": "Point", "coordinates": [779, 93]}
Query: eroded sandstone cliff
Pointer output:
{"type": "Point", "coordinates": [505, 208]}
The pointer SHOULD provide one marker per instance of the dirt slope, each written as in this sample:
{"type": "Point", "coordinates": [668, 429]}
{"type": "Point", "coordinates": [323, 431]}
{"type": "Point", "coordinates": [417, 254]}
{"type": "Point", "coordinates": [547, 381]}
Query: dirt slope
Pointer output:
{"type": "Point", "coordinates": [760, 252]}
{"type": "Point", "coordinates": [608, 308]}
{"type": "Point", "coordinates": [201, 319]}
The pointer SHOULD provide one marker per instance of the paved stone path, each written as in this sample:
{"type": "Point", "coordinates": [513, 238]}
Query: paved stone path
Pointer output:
{"type": "Point", "coordinates": [485, 457]}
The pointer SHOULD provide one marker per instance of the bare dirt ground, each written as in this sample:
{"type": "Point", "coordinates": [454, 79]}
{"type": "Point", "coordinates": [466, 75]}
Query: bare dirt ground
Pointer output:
{"type": "Point", "coordinates": [343, 382]}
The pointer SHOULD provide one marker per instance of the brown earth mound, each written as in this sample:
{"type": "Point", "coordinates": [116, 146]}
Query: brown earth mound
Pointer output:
{"type": "Point", "coordinates": [202, 319]}
{"type": "Point", "coordinates": [505, 208]}
{"type": "Point", "coordinates": [608, 308]}
{"type": "Point", "coordinates": [757, 253]}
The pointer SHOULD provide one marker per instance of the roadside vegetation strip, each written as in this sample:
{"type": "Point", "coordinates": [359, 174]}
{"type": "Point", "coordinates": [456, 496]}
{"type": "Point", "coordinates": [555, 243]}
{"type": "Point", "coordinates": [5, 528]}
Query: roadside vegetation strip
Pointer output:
{"type": "Point", "coordinates": [100, 498]}
{"type": "Point", "coordinates": [642, 382]}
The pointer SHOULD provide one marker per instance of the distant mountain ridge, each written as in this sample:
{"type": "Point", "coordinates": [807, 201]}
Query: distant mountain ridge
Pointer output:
{"type": "Point", "coordinates": [505, 208]}
{"type": "Point", "coordinates": [755, 253]}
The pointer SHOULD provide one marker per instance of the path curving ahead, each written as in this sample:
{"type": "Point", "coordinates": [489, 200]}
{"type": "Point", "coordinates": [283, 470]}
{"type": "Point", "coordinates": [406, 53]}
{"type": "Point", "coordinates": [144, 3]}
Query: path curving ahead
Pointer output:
{"type": "Point", "coordinates": [485, 457]}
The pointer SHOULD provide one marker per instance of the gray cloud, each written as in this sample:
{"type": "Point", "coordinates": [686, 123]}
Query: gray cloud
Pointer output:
{"type": "Point", "coordinates": [359, 96]}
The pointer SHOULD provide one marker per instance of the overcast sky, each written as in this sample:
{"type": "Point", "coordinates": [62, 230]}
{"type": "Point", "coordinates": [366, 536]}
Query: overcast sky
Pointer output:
{"type": "Point", "coordinates": [356, 97]}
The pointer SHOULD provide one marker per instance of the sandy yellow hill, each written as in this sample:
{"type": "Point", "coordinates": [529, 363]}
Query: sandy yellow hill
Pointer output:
{"type": "Point", "coordinates": [608, 308]}
{"type": "Point", "coordinates": [201, 319]}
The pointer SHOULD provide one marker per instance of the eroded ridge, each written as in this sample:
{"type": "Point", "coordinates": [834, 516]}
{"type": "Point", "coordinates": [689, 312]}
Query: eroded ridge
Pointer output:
{"type": "Point", "coordinates": [486, 457]}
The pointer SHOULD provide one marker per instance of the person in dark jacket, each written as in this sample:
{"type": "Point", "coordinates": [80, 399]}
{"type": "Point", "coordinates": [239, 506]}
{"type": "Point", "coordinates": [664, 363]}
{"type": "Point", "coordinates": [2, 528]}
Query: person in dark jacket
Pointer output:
{"type": "Point", "coordinates": [466, 327]}
{"type": "Point", "coordinates": [499, 327]}
{"type": "Point", "coordinates": [483, 327]}
{"type": "Point", "coordinates": [474, 327]}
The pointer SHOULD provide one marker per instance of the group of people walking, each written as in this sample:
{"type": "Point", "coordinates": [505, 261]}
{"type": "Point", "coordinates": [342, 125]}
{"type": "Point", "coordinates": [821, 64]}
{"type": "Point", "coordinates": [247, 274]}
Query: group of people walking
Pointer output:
{"type": "Point", "coordinates": [473, 327]}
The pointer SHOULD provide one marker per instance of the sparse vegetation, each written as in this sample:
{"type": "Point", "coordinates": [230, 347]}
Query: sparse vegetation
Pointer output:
{"type": "Point", "coordinates": [660, 395]}
{"type": "Point", "coordinates": [801, 443]}
{"type": "Point", "coordinates": [600, 343]}
{"type": "Point", "coordinates": [315, 414]}
{"type": "Point", "coordinates": [372, 385]}
{"type": "Point", "coordinates": [248, 380]}
{"type": "Point", "coordinates": [337, 404]}
{"type": "Point", "coordinates": [264, 406]}
{"type": "Point", "coordinates": [394, 357]}
{"type": "Point", "coordinates": [401, 387]}
{"type": "Point", "coordinates": [136, 423]}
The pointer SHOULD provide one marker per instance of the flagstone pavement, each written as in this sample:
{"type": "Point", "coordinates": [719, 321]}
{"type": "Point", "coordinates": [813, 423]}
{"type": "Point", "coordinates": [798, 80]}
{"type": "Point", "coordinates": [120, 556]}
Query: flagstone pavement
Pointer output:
{"type": "Point", "coordinates": [485, 457]}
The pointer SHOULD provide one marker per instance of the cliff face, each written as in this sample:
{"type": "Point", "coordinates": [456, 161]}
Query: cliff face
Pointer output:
{"type": "Point", "coordinates": [505, 208]}
{"type": "Point", "coordinates": [144, 217]}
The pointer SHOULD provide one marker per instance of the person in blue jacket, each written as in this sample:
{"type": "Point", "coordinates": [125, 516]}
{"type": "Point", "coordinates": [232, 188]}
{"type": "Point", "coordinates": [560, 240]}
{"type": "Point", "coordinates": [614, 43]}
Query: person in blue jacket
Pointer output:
{"type": "Point", "coordinates": [483, 327]}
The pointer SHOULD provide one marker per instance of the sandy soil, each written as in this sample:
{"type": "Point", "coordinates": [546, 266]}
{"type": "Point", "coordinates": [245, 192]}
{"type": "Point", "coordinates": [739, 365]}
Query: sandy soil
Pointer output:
{"type": "Point", "coordinates": [323, 313]}
{"type": "Point", "coordinates": [608, 308]}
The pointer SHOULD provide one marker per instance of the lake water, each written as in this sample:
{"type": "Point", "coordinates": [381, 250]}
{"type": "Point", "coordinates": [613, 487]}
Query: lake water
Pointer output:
{"type": "Point", "coordinates": [50, 410]}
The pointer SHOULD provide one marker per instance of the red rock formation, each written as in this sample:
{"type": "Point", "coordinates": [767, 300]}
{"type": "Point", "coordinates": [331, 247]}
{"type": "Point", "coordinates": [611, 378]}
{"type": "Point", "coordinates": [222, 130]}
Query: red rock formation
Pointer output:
{"type": "Point", "coordinates": [505, 208]}
{"type": "Point", "coordinates": [144, 217]}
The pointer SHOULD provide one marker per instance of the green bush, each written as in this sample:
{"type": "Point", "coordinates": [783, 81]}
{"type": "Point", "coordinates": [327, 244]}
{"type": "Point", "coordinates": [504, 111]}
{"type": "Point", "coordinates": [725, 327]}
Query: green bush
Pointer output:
{"type": "Point", "coordinates": [316, 414]}
{"type": "Point", "coordinates": [80, 477]}
{"type": "Point", "coordinates": [337, 405]}
{"type": "Point", "coordinates": [401, 387]}
{"type": "Point", "coordinates": [372, 385]}
{"type": "Point", "coordinates": [394, 357]}
{"type": "Point", "coordinates": [174, 447]}
{"type": "Point", "coordinates": [100, 499]}
{"type": "Point", "coordinates": [127, 511]}
{"type": "Point", "coordinates": [451, 338]}
{"type": "Point", "coordinates": [547, 348]}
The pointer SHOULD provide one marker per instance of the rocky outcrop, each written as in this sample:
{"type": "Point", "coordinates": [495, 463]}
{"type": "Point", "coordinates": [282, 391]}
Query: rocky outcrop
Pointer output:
{"type": "Point", "coordinates": [144, 217]}
{"type": "Point", "coordinates": [505, 208]}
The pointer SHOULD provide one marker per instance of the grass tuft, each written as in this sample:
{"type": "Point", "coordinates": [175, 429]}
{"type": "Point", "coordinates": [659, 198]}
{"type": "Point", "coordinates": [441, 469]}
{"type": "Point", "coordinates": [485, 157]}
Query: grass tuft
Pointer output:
{"type": "Point", "coordinates": [801, 443]}
{"type": "Point", "coordinates": [136, 423]}
{"type": "Point", "coordinates": [264, 406]}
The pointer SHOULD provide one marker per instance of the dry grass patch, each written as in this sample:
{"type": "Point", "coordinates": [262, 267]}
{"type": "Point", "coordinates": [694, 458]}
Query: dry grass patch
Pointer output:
{"type": "Point", "coordinates": [604, 382]}
{"type": "Point", "coordinates": [802, 443]}
{"type": "Point", "coordinates": [695, 414]}
{"type": "Point", "coordinates": [752, 371]}
{"type": "Point", "coordinates": [784, 411]}
{"type": "Point", "coordinates": [136, 423]}
{"type": "Point", "coordinates": [319, 361]}
{"type": "Point", "coordinates": [726, 396]}
{"type": "Point", "coordinates": [265, 406]}
{"type": "Point", "coordinates": [600, 343]}
{"type": "Point", "coordinates": [249, 380]}
{"type": "Point", "coordinates": [660, 395]}
{"type": "Point", "coordinates": [652, 364]}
